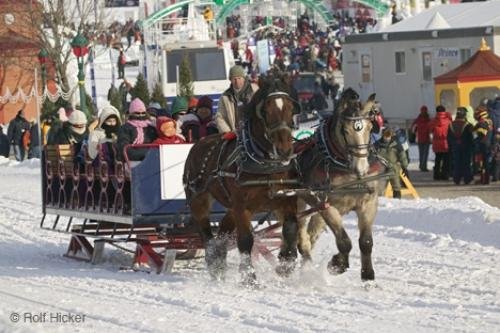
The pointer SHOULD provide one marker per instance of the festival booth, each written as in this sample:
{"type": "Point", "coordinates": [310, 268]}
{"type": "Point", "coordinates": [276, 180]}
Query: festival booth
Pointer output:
{"type": "Point", "coordinates": [473, 81]}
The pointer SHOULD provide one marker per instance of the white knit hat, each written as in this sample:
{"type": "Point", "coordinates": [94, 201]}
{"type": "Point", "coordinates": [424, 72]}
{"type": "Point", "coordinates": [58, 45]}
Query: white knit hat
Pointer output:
{"type": "Point", "coordinates": [77, 117]}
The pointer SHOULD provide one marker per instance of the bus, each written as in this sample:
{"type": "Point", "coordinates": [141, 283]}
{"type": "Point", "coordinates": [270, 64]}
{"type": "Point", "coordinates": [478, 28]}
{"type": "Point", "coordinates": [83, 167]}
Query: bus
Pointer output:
{"type": "Point", "coordinates": [209, 70]}
{"type": "Point", "coordinates": [170, 39]}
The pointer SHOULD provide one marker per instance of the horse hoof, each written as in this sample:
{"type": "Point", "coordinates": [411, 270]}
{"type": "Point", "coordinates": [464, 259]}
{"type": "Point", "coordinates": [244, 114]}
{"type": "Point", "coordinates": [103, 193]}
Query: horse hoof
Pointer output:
{"type": "Point", "coordinates": [215, 257]}
{"type": "Point", "coordinates": [368, 275]}
{"type": "Point", "coordinates": [338, 265]}
{"type": "Point", "coordinates": [249, 280]}
{"type": "Point", "coordinates": [335, 270]}
{"type": "Point", "coordinates": [285, 268]}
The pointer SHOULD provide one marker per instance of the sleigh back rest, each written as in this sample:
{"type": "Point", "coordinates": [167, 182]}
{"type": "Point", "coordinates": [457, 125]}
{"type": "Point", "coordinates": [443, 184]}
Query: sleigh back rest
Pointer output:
{"type": "Point", "coordinates": [60, 160]}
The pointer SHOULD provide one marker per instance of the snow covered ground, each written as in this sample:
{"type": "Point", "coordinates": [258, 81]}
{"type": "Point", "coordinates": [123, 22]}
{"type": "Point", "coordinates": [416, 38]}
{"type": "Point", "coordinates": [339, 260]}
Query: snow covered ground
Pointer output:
{"type": "Point", "coordinates": [435, 261]}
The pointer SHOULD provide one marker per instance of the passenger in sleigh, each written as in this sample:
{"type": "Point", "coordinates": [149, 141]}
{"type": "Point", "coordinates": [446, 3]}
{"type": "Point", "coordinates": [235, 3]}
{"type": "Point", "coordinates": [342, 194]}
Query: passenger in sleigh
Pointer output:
{"type": "Point", "coordinates": [199, 124]}
{"type": "Point", "coordinates": [167, 132]}
{"type": "Point", "coordinates": [137, 130]}
{"type": "Point", "coordinates": [105, 135]}
{"type": "Point", "coordinates": [73, 132]}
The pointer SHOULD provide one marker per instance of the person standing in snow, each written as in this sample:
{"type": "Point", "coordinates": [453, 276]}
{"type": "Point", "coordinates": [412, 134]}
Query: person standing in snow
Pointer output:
{"type": "Point", "coordinates": [461, 145]}
{"type": "Point", "coordinates": [17, 127]}
{"type": "Point", "coordinates": [389, 148]}
{"type": "Point", "coordinates": [439, 127]}
{"type": "Point", "coordinates": [4, 144]}
{"type": "Point", "coordinates": [122, 60]}
{"type": "Point", "coordinates": [421, 127]}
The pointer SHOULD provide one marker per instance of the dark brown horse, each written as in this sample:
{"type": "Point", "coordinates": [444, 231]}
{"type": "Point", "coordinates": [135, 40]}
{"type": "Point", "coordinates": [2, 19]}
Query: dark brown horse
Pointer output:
{"type": "Point", "coordinates": [240, 173]}
{"type": "Point", "coordinates": [339, 165]}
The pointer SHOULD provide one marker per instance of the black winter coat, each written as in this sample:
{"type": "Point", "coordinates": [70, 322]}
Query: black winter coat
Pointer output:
{"type": "Point", "coordinates": [460, 136]}
{"type": "Point", "coordinates": [4, 145]}
{"type": "Point", "coordinates": [34, 139]}
{"type": "Point", "coordinates": [127, 135]}
{"type": "Point", "coordinates": [63, 135]}
{"type": "Point", "coordinates": [17, 127]}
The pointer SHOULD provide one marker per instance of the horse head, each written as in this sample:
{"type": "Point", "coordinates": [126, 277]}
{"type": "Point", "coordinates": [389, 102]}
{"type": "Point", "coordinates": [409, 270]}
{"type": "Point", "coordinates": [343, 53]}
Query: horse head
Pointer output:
{"type": "Point", "coordinates": [353, 127]}
{"type": "Point", "coordinates": [271, 113]}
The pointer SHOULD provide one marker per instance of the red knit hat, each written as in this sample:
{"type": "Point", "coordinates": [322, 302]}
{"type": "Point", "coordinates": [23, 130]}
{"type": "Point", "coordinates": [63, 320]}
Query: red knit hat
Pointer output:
{"type": "Point", "coordinates": [162, 120]}
{"type": "Point", "coordinates": [205, 102]}
{"type": "Point", "coordinates": [192, 102]}
{"type": "Point", "coordinates": [423, 108]}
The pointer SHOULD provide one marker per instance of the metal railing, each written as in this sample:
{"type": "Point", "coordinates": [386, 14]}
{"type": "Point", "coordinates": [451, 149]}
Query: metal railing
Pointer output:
{"type": "Point", "coordinates": [177, 32]}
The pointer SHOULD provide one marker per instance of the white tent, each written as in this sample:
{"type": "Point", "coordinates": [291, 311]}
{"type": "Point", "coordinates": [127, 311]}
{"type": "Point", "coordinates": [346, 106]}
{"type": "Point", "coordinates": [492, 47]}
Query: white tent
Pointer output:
{"type": "Point", "coordinates": [452, 16]}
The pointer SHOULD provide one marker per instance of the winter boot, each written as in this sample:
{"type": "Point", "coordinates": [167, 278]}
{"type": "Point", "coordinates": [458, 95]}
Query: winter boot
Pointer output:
{"type": "Point", "coordinates": [485, 177]}
{"type": "Point", "coordinates": [396, 194]}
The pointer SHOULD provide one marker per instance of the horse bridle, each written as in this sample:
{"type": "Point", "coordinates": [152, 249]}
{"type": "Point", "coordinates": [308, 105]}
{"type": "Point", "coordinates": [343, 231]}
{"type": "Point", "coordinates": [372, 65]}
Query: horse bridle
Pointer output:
{"type": "Point", "coordinates": [269, 130]}
{"type": "Point", "coordinates": [357, 123]}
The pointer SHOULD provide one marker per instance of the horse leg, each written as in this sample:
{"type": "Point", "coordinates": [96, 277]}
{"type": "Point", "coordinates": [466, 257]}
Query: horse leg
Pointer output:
{"type": "Point", "coordinates": [303, 239]}
{"type": "Point", "coordinates": [315, 228]}
{"type": "Point", "coordinates": [288, 251]}
{"type": "Point", "coordinates": [340, 261]}
{"type": "Point", "coordinates": [200, 209]}
{"type": "Point", "coordinates": [218, 246]}
{"type": "Point", "coordinates": [365, 222]}
{"type": "Point", "coordinates": [244, 239]}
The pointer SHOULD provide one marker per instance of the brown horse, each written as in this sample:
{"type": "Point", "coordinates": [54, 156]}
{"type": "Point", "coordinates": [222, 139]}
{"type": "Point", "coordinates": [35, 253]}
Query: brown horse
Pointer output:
{"type": "Point", "coordinates": [340, 167]}
{"type": "Point", "coordinates": [240, 174]}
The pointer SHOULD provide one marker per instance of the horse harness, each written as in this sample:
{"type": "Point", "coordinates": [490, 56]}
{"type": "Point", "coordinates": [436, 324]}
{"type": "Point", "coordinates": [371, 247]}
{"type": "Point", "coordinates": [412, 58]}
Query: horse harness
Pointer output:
{"type": "Point", "coordinates": [332, 160]}
{"type": "Point", "coordinates": [248, 157]}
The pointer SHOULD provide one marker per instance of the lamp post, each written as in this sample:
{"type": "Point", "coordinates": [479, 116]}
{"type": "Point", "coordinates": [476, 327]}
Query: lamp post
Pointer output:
{"type": "Point", "coordinates": [42, 58]}
{"type": "Point", "coordinates": [80, 49]}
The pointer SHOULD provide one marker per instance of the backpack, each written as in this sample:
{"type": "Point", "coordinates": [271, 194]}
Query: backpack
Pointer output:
{"type": "Point", "coordinates": [26, 139]}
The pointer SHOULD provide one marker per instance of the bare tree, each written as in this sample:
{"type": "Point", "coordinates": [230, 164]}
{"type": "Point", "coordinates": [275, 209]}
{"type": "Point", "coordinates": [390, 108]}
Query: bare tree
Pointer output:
{"type": "Point", "coordinates": [57, 22]}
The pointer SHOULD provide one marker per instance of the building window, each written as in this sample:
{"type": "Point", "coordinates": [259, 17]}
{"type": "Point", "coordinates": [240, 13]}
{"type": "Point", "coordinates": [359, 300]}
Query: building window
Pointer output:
{"type": "Point", "coordinates": [400, 62]}
{"type": "Point", "coordinates": [478, 95]}
{"type": "Point", "coordinates": [448, 99]}
{"type": "Point", "coordinates": [465, 54]}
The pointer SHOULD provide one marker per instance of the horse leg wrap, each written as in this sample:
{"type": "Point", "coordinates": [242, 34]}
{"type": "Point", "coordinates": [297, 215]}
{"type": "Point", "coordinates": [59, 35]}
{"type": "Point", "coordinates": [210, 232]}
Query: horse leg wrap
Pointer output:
{"type": "Point", "coordinates": [365, 246]}
{"type": "Point", "coordinates": [289, 248]}
{"type": "Point", "coordinates": [245, 243]}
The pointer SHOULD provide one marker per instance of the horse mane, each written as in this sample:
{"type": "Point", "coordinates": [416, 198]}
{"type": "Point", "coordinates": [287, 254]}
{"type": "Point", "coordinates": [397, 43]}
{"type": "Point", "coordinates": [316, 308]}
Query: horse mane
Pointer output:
{"type": "Point", "coordinates": [348, 103]}
{"type": "Point", "coordinates": [273, 82]}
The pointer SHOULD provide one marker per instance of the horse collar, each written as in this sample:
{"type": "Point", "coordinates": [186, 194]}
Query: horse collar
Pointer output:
{"type": "Point", "coordinates": [250, 147]}
{"type": "Point", "coordinates": [328, 147]}
{"type": "Point", "coordinates": [253, 158]}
